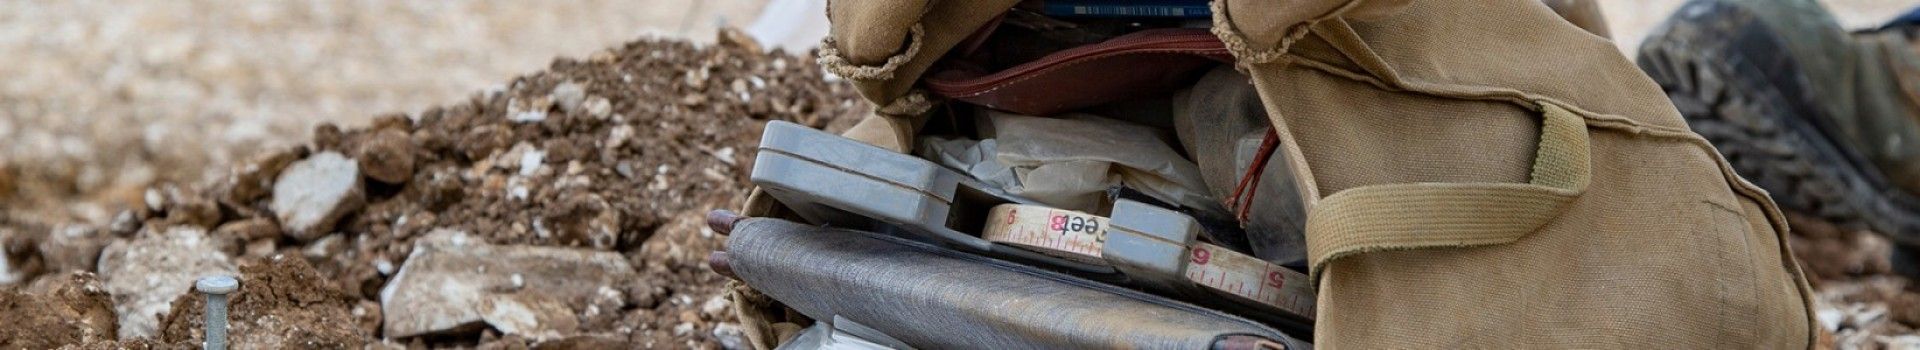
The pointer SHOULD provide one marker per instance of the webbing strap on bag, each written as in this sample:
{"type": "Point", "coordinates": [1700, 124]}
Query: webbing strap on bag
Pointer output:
{"type": "Point", "coordinates": [1440, 215]}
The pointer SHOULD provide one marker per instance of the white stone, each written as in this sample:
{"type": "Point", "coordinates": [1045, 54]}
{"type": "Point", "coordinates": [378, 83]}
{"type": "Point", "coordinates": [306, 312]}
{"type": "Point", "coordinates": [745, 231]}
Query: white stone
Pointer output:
{"type": "Point", "coordinates": [517, 188]}
{"type": "Point", "coordinates": [146, 274]}
{"type": "Point", "coordinates": [385, 267]}
{"type": "Point", "coordinates": [569, 95]}
{"type": "Point", "coordinates": [524, 111]}
{"type": "Point", "coordinates": [1907, 341]}
{"type": "Point", "coordinates": [1830, 318]}
{"type": "Point", "coordinates": [730, 336]}
{"type": "Point", "coordinates": [451, 281]}
{"type": "Point", "coordinates": [8, 275]}
{"type": "Point", "coordinates": [312, 194]}
{"type": "Point", "coordinates": [598, 107]}
{"type": "Point", "coordinates": [531, 160]}
{"type": "Point", "coordinates": [154, 200]}
{"type": "Point", "coordinates": [716, 306]}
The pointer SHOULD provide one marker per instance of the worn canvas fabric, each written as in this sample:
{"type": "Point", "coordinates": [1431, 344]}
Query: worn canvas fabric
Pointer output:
{"type": "Point", "coordinates": [1476, 173]}
{"type": "Point", "coordinates": [1507, 180]}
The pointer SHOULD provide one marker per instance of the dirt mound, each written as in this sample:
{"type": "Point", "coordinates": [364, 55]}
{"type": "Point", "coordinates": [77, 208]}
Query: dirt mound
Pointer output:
{"type": "Point", "coordinates": [621, 152]}
{"type": "Point", "coordinates": [58, 310]}
{"type": "Point", "coordinates": [595, 154]}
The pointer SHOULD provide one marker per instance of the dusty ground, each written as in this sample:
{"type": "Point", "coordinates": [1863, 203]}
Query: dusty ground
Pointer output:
{"type": "Point", "coordinates": [104, 99]}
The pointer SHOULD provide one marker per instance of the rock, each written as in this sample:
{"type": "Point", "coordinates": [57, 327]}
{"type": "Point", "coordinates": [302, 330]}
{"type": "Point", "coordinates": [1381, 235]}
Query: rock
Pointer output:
{"type": "Point", "coordinates": [387, 156]}
{"type": "Point", "coordinates": [73, 248]}
{"type": "Point", "coordinates": [569, 95]}
{"type": "Point", "coordinates": [254, 179]}
{"type": "Point", "coordinates": [530, 159]}
{"type": "Point", "coordinates": [327, 137]}
{"type": "Point", "coordinates": [582, 220]}
{"type": "Point", "coordinates": [393, 121]}
{"type": "Point", "coordinates": [730, 336]}
{"type": "Point", "coordinates": [124, 224]}
{"type": "Point", "coordinates": [598, 107]}
{"type": "Point", "coordinates": [1907, 341]}
{"type": "Point", "coordinates": [483, 140]}
{"type": "Point", "coordinates": [185, 209]}
{"type": "Point", "coordinates": [366, 314]}
{"type": "Point", "coordinates": [325, 247]}
{"type": "Point", "coordinates": [154, 199]}
{"type": "Point", "coordinates": [146, 274]}
{"type": "Point", "coordinates": [735, 37]}
{"type": "Point", "coordinates": [452, 283]}
{"type": "Point", "coordinates": [529, 315]}
{"type": "Point", "coordinates": [261, 248]}
{"type": "Point", "coordinates": [250, 229]}
{"type": "Point", "coordinates": [532, 110]}
{"type": "Point", "coordinates": [15, 264]}
{"type": "Point", "coordinates": [313, 194]}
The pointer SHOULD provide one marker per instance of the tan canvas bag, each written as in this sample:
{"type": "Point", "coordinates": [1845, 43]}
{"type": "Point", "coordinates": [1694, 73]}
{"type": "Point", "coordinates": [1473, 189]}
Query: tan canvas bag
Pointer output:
{"type": "Point", "coordinates": [1478, 174]}
{"type": "Point", "coordinates": [1483, 174]}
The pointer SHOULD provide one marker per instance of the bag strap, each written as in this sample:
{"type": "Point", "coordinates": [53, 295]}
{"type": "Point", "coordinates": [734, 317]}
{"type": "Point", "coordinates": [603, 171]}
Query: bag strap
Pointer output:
{"type": "Point", "coordinates": [1455, 215]}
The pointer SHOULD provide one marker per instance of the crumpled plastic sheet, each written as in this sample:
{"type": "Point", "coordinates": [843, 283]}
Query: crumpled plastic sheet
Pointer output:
{"type": "Point", "coordinates": [1070, 161]}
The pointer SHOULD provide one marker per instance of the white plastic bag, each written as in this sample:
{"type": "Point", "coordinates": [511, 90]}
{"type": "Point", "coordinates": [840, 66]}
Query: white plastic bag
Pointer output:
{"type": "Point", "coordinates": [1070, 161]}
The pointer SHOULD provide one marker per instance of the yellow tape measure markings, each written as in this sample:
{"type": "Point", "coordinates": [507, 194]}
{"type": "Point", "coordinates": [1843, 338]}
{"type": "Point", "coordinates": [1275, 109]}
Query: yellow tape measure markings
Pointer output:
{"type": "Point", "coordinates": [1062, 233]}
{"type": "Point", "coordinates": [1249, 278]}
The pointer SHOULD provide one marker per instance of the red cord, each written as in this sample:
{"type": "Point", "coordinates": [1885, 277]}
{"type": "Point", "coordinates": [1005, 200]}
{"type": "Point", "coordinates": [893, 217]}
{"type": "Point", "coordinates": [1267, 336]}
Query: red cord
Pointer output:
{"type": "Point", "coordinates": [1242, 198]}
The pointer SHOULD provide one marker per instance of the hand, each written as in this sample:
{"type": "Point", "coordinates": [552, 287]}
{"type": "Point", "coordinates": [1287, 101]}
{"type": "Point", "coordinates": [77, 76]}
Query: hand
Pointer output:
{"type": "Point", "coordinates": [721, 221]}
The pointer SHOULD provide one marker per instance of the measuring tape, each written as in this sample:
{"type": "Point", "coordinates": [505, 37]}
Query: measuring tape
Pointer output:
{"type": "Point", "coordinates": [1082, 237]}
{"type": "Point", "coordinates": [1059, 233]}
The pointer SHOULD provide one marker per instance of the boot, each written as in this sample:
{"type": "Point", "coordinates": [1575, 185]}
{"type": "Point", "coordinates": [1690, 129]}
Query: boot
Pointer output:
{"type": "Point", "coordinates": [1826, 121]}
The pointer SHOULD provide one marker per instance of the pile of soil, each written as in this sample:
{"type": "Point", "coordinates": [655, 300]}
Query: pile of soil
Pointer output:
{"type": "Point", "coordinates": [623, 151]}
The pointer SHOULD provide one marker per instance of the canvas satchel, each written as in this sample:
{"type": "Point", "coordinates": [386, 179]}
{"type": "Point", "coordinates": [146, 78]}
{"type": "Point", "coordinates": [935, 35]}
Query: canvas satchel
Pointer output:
{"type": "Point", "coordinates": [1482, 174]}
